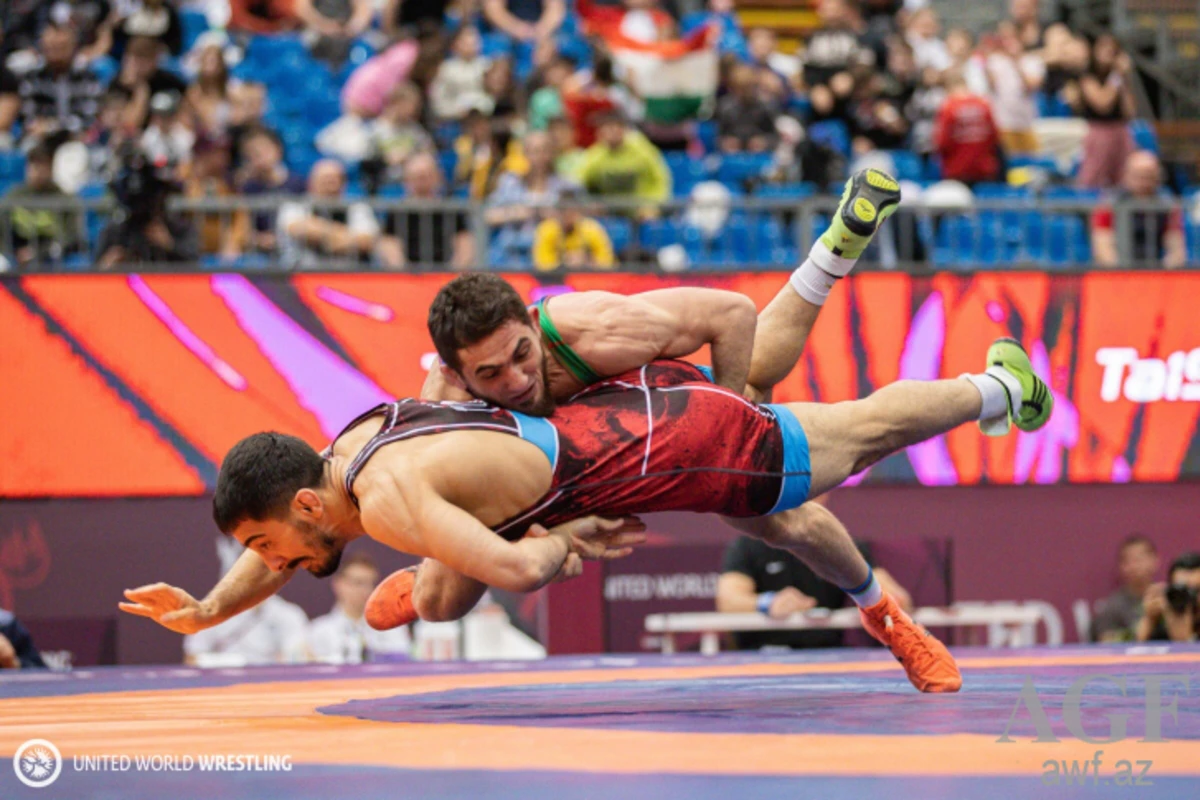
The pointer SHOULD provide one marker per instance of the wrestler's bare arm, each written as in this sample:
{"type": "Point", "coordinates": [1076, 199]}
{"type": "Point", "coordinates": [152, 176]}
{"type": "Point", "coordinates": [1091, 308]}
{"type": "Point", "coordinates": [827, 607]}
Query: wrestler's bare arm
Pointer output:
{"type": "Point", "coordinates": [437, 389]}
{"type": "Point", "coordinates": [615, 333]}
{"type": "Point", "coordinates": [247, 584]}
{"type": "Point", "coordinates": [414, 518]}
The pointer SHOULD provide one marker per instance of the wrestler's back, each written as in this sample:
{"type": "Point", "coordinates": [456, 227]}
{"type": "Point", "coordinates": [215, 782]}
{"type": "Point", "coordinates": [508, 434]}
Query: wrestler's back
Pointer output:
{"type": "Point", "coordinates": [491, 475]}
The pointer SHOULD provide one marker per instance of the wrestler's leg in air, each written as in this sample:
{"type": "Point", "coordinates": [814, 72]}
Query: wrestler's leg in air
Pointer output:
{"type": "Point", "coordinates": [846, 438]}
{"type": "Point", "coordinates": [869, 198]}
{"type": "Point", "coordinates": [429, 590]}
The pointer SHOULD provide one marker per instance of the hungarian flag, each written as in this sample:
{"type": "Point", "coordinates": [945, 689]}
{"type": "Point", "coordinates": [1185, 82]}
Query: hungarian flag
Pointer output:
{"type": "Point", "coordinates": [673, 78]}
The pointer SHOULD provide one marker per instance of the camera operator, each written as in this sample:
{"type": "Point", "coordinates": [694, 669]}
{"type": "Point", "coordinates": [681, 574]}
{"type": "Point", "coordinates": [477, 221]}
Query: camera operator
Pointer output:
{"type": "Point", "coordinates": [1173, 609]}
{"type": "Point", "coordinates": [143, 231]}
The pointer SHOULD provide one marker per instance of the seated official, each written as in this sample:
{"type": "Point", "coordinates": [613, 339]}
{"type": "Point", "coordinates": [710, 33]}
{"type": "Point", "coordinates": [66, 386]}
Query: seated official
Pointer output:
{"type": "Point", "coordinates": [757, 577]}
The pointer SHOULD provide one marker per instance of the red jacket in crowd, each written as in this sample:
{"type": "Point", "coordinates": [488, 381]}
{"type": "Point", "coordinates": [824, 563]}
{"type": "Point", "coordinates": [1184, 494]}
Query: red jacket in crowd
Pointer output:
{"type": "Point", "coordinates": [966, 138]}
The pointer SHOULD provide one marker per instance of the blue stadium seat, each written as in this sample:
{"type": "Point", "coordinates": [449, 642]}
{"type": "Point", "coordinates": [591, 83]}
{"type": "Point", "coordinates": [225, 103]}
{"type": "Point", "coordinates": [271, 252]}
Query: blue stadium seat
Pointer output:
{"type": "Point", "coordinates": [800, 105]}
{"type": "Point", "coordinates": [1067, 192]}
{"type": "Point", "coordinates": [908, 165]}
{"type": "Point", "coordinates": [1066, 240]}
{"type": "Point", "coordinates": [444, 134]}
{"type": "Point", "coordinates": [1052, 106]}
{"type": "Point", "coordinates": [933, 169]}
{"type": "Point", "coordinates": [620, 231]}
{"type": "Point", "coordinates": [448, 160]}
{"type": "Point", "coordinates": [832, 133]}
{"type": "Point", "coordinates": [658, 233]}
{"type": "Point", "coordinates": [194, 24]}
{"type": "Point", "coordinates": [706, 132]}
{"type": "Point", "coordinates": [12, 166]}
{"type": "Point", "coordinates": [787, 191]}
{"type": "Point", "coordinates": [686, 172]}
{"type": "Point", "coordinates": [999, 191]}
{"type": "Point", "coordinates": [735, 242]}
{"type": "Point", "coordinates": [496, 44]}
{"type": "Point", "coordinates": [1035, 162]}
{"type": "Point", "coordinates": [105, 69]}
{"type": "Point", "coordinates": [735, 169]}
{"type": "Point", "coordinates": [575, 47]}
{"type": "Point", "coordinates": [1144, 137]}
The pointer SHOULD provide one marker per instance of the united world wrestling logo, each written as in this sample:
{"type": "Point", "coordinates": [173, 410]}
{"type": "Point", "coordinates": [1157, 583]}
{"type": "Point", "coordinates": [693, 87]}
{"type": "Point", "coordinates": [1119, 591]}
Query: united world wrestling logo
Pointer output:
{"type": "Point", "coordinates": [37, 763]}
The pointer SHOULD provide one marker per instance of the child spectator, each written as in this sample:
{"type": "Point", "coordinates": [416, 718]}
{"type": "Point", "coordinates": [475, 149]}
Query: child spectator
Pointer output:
{"type": "Point", "coordinates": [458, 86]}
{"type": "Point", "coordinates": [965, 135]}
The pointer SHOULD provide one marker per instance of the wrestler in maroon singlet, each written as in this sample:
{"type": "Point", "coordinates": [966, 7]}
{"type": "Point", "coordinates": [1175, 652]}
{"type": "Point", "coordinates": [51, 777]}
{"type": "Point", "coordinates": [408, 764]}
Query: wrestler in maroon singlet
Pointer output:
{"type": "Point", "coordinates": [661, 438]}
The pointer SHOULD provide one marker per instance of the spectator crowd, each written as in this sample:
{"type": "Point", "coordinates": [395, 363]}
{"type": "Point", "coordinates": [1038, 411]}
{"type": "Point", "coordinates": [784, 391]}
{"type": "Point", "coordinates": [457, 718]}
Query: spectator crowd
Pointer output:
{"type": "Point", "coordinates": [525, 109]}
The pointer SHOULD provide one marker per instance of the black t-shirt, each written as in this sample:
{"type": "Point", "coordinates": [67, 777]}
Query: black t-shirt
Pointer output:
{"type": "Point", "coordinates": [418, 12]}
{"type": "Point", "coordinates": [22, 643]}
{"type": "Point", "coordinates": [1090, 112]}
{"type": "Point", "coordinates": [833, 50]}
{"type": "Point", "coordinates": [428, 236]}
{"type": "Point", "coordinates": [9, 84]}
{"type": "Point", "coordinates": [773, 570]}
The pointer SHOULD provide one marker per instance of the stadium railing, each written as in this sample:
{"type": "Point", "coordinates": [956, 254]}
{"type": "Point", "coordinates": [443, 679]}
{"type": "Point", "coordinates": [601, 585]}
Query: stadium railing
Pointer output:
{"type": "Point", "coordinates": [743, 234]}
{"type": "Point", "coordinates": [1008, 624]}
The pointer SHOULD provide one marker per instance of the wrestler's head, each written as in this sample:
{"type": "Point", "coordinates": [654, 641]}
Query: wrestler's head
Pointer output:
{"type": "Point", "coordinates": [488, 345]}
{"type": "Point", "coordinates": [271, 496]}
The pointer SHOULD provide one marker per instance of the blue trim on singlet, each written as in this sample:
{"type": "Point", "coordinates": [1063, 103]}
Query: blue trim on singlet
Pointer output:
{"type": "Point", "coordinates": [706, 371]}
{"type": "Point", "coordinates": [540, 432]}
{"type": "Point", "coordinates": [797, 477]}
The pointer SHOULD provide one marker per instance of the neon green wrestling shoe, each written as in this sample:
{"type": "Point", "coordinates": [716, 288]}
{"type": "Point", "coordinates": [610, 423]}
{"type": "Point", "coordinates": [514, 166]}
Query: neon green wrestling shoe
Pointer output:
{"type": "Point", "coordinates": [1037, 402]}
{"type": "Point", "coordinates": [870, 197]}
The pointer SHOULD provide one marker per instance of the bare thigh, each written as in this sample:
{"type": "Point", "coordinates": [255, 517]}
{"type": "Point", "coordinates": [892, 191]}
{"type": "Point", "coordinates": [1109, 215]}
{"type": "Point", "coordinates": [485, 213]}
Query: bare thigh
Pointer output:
{"type": "Point", "coordinates": [838, 437]}
{"type": "Point", "coordinates": [442, 595]}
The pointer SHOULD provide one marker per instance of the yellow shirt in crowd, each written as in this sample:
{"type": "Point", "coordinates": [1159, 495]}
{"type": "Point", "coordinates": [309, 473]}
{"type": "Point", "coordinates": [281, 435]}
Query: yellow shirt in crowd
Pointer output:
{"type": "Point", "coordinates": [587, 245]}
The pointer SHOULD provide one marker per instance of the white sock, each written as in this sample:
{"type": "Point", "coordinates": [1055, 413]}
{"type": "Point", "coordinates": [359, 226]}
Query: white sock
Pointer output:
{"type": "Point", "coordinates": [868, 593]}
{"type": "Point", "coordinates": [999, 389]}
{"type": "Point", "coordinates": [813, 279]}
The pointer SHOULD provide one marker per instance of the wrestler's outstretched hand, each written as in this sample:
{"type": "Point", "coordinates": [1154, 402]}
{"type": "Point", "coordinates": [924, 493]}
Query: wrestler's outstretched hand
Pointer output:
{"type": "Point", "coordinates": [598, 537]}
{"type": "Point", "coordinates": [169, 606]}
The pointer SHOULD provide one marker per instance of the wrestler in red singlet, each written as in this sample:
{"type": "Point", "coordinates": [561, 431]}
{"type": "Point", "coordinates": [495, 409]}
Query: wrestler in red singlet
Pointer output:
{"type": "Point", "coordinates": [661, 438]}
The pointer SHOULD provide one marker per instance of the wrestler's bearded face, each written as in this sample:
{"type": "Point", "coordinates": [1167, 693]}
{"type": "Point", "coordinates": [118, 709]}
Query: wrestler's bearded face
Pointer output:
{"type": "Point", "coordinates": [292, 543]}
{"type": "Point", "coordinates": [508, 369]}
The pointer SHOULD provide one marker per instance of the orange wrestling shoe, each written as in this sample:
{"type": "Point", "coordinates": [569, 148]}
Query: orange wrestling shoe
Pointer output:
{"type": "Point", "coordinates": [391, 604]}
{"type": "Point", "coordinates": [929, 665]}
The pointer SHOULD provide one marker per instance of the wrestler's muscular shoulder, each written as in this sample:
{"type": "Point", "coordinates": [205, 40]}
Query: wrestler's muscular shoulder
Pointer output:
{"type": "Point", "coordinates": [390, 489]}
{"type": "Point", "coordinates": [613, 333]}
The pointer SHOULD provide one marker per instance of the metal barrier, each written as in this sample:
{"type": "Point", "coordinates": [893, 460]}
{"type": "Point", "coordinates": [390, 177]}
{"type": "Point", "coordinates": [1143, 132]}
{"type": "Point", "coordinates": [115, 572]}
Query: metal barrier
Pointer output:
{"type": "Point", "coordinates": [243, 233]}
{"type": "Point", "coordinates": [1008, 624]}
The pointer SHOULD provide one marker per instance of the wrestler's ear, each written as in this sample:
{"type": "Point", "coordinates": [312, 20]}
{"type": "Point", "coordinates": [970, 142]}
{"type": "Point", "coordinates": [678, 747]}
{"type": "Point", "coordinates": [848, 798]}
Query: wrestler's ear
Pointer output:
{"type": "Point", "coordinates": [308, 503]}
{"type": "Point", "coordinates": [451, 376]}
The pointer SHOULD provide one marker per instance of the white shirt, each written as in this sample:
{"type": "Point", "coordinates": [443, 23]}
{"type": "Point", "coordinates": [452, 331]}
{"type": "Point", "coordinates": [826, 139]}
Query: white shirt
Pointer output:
{"type": "Point", "coordinates": [929, 53]}
{"type": "Point", "coordinates": [294, 253]}
{"type": "Point", "coordinates": [336, 639]}
{"type": "Point", "coordinates": [458, 87]}
{"type": "Point", "coordinates": [1013, 105]}
{"type": "Point", "coordinates": [266, 634]}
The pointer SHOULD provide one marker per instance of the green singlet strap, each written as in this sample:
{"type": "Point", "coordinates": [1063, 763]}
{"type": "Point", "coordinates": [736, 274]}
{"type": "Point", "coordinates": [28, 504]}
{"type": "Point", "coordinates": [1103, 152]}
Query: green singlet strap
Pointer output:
{"type": "Point", "coordinates": [561, 350]}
